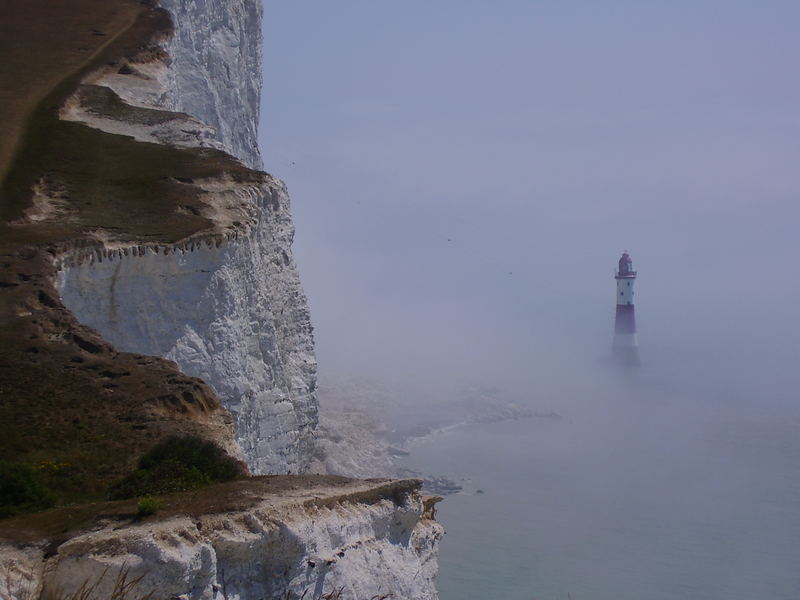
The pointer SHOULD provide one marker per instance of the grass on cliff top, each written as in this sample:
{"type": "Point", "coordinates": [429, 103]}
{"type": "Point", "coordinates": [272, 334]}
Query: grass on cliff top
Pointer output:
{"type": "Point", "coordinates": [135, 190]}
{"type": "Point", "coordinates": [70, 404]}
{"type": "Point", "coordinates": [42, 42]}
{"type": "Point", "coordinates": [175, 464]}
{"type": "Point", "coordinates": [82, 420]}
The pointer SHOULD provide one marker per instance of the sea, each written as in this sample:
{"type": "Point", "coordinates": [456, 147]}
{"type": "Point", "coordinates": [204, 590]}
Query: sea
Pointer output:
{"type": "Point", "coordinates": [637, 490]}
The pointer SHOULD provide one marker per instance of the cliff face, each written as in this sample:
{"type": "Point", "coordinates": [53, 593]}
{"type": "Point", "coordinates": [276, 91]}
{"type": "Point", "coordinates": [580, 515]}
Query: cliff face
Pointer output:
{"type": "Point", "coordinates": [162, 244]}
{"type": "Point", "coordinates": [215, 70]}
{"type": "Point", "coordinates": [226, 304]}
{"type": "Point", "coordinates": [230, 311]}
{"type": "Point", "coordinates": [348, 540]}
{"type": "Point", "coordinates": [210, 68]}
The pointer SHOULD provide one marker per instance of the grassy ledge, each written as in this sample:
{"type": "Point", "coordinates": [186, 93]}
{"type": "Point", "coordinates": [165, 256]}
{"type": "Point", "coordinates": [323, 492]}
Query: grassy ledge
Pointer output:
{"type": "Point", "coordinates": [311, 491]}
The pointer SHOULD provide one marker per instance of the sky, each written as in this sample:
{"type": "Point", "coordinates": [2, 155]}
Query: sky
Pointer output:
{"type": "Point", "coordinates": [465, 174]}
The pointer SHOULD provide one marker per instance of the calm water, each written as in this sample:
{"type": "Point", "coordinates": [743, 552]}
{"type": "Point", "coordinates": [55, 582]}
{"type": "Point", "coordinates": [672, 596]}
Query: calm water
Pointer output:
{"type": "Point", "coordinates": [636, 493]}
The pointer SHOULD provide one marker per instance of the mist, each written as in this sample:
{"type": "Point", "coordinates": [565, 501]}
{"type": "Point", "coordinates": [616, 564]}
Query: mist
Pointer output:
{"type": "Point", "coordinates": [464, 177]}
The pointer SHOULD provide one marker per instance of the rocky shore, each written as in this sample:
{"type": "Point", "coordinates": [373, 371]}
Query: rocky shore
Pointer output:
{"type": "Point", "coordinates": [367, 427]}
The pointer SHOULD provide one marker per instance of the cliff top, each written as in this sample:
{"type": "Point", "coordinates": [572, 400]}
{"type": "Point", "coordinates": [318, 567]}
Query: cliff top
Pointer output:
{"type": "Point", "coordinates": [75, 32]}
{"type": "Point", "coordinates": [279, 491]}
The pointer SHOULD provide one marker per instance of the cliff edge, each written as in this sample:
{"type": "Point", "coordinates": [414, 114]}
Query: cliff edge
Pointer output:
{"type": "Point", "coordinates": [274, 537]}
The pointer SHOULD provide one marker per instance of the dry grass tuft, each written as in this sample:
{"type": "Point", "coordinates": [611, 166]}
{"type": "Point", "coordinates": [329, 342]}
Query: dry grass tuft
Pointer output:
{"type": "Point", "coordinates": [124, 589]}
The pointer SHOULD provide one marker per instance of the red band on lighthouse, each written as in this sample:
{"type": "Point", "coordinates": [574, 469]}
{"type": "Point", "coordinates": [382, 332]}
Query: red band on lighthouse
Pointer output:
{"type": "Point", "coordinates": [626, 320]}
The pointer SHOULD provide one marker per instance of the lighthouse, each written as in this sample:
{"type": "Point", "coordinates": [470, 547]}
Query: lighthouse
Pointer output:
{"type": "Point", "coordinates": [626, 347]}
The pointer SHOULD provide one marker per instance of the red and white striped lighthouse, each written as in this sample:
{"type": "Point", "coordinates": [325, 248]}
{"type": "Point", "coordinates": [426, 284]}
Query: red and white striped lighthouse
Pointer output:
{"type": "Point", "coordinates": [626, 346]}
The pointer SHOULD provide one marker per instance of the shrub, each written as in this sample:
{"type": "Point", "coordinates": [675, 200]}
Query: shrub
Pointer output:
{"type": "Point", "coordinates": [147, 506]}
{"type": "Point", "coordinates": [22, 490]}
{"type": "Point", "coordinates": [177, 464]}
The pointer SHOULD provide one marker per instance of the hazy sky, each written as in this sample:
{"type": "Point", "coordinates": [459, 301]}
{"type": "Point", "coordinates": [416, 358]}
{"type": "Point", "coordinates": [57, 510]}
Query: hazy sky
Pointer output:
{"type": "Point", "coordinates": [464, 176]}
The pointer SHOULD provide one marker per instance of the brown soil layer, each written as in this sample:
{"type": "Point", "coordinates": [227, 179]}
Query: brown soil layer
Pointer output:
{"type": "Point", "coordinates": [41, 42]}
{"type": "Point", "coordinates": [67, 398]}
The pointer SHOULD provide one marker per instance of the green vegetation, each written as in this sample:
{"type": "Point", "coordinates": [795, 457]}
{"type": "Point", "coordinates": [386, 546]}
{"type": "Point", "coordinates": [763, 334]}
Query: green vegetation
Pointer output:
{"type": "Point", "coordinates": [148, 505]}
{"type": "Point", "coordinates": [177, 464]}
{"type": "Point", "coordinates": [83, 425]}
{"type": "Point", "coordinates": [22, 489]}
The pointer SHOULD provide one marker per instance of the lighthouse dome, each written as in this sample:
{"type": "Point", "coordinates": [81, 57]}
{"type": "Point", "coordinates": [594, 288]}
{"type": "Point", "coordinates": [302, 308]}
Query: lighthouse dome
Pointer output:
{"type": "Point", "coordinates": [626, 266]}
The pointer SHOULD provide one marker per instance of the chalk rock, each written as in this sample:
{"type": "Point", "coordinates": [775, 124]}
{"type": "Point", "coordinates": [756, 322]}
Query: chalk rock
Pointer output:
{"type": "Point", "coordinates": [351, 543]}
{"type": "Point", "coordinates": [233, 314]}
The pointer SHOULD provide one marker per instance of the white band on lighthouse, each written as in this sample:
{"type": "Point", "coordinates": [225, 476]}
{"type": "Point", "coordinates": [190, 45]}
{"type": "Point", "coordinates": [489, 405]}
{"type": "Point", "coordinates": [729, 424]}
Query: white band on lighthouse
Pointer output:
{"type": "Point", "coordinates": [625, 291]}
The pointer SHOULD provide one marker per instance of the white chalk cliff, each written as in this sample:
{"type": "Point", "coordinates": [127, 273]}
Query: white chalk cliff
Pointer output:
{"type": "Point", "coordinates": [226, 305]}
